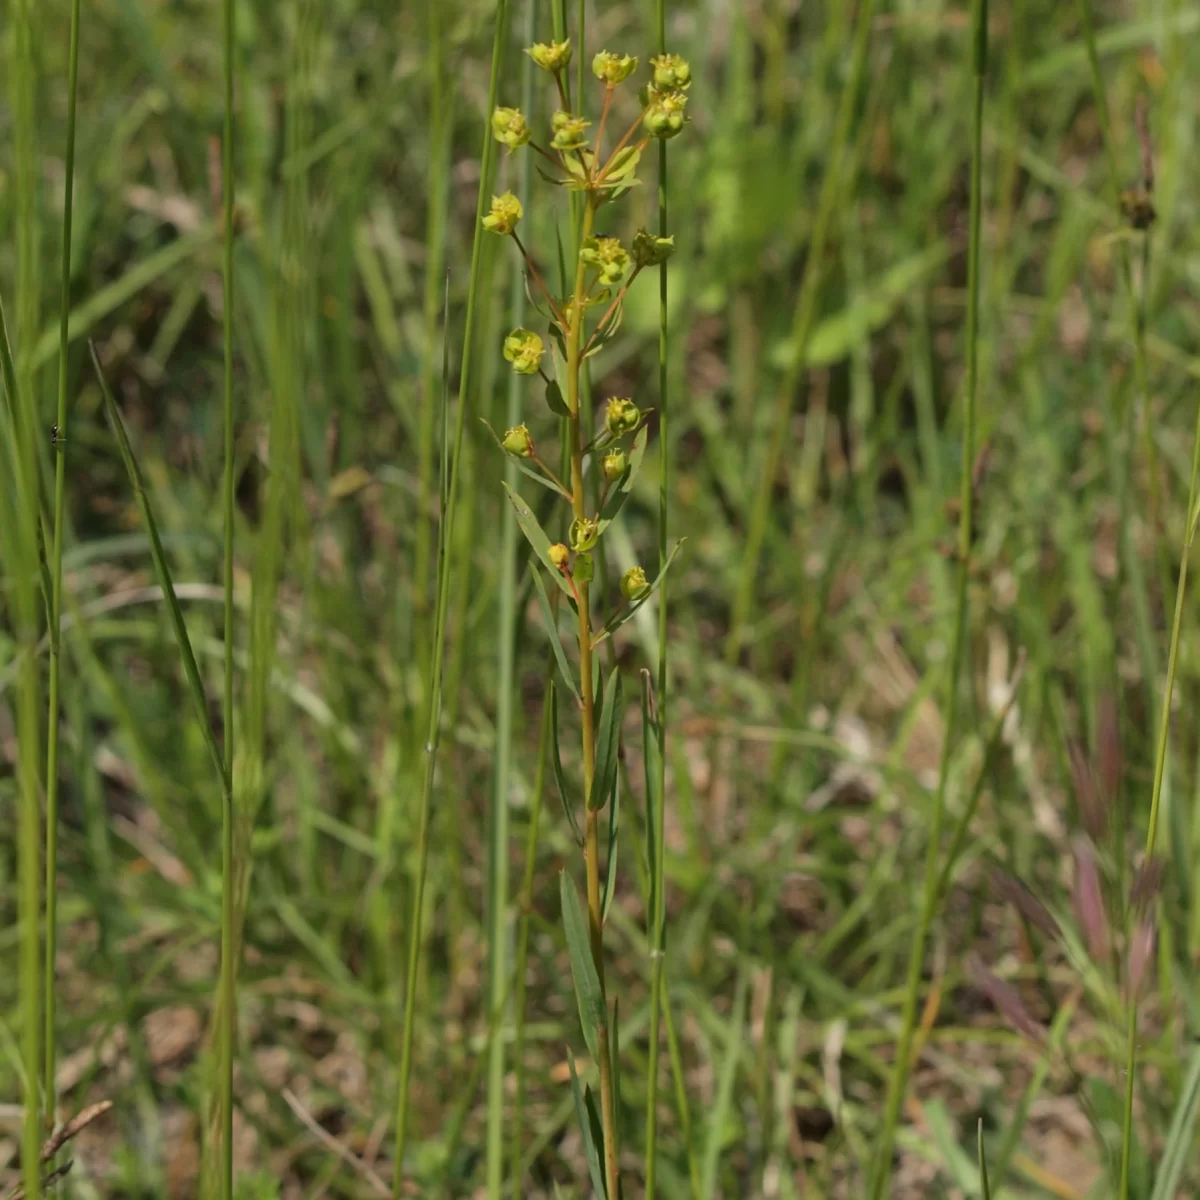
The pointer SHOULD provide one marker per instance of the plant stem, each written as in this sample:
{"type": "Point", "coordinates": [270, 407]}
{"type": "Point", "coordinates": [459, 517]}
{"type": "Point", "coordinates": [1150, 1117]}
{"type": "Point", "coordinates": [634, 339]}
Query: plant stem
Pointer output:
{"type": "Point", "coordinates": [507, 693]}
{"type": "Point", "coordinates": [435, 242]}
{"type": "Point", "coordinates": [658, 866]}
{"type": "Point", "coordinates": [587, 693]}
{"type": "Point", "coordinates": [898, 1082]}
{"type": "Point", "coordinates": [466, 379]}
{"type": "Point", "coordinates": [228, 995]}
{"type": "Point", "coordinates": [60, 491]}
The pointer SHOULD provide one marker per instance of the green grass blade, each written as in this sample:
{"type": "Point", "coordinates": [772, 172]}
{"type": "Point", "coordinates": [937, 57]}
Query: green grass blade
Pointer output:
{"type": "Point", "coordinates": [984, 1187]}
{"type": "Point", "coordinates": [560, 654]}
{"type": "Point", "coordinates": [898, 1079]}
{"type": "Point", "coordinates": [466, 381]}
{"type": "Point", "coordinates": [59, 440]}
{"type": "Point", "coordinates": [174, 611]}
{"type": "Point", "coordinates": [1181, 1134]}
{"type": "Point", "coordinates": [228, 984]}
{"type": "Point", "coordinates": [723, 1104]}
{"type": "Point", "coordinates": [508, 694]}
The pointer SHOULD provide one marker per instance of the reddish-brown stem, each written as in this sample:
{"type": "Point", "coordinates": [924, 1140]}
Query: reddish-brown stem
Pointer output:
{"type": "Point", "coordinates": [556, 163]}
{"type": "Point", "coordinates": [617, 150]}
{"type": "Point", "coordinates": [554, 479]}
{"type": "Point", "coordinates": [608, 95]}
{"type": "Point", "coordinates": [608, 312]}
{"type": "Point", "coordinates": [537, 278]}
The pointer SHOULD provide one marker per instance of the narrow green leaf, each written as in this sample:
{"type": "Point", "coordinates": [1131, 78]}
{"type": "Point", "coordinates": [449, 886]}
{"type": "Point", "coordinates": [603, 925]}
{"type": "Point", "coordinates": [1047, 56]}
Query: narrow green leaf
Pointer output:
{"type": "Point", "coordinates": [525, 468]}
{"type": "Point", "coordinates": [183, 641]}
{"type": "Point", "coordinates": [984, 1188]}
{"type": "Point", "coordinates": [585, 1129]}
{"type": "Point", "coordinates": [593, 1115]}
{"type": "Point", "coordinates": [610, 866]}
{"type": "Point", "coordinates": [560, 655]}
{"type": "Point", "coordinates": [626, 614]}
{"type": "Point", "coordinates": [583, 970]}
{"type": "Point", "coordinates": [653, 800]}
{"type": "Point", "coordinates": [559, 776]}
{"type": "Point", "coordinates": [535, 535]}
{"type": "Point", "coordinates": [1182, 1132]}
{"type": "Point", "coordinates": [554, 398]}
{"type": "Point", "coordinates": [608, 744]}
{"type": "Point", "coordinates": [723, 1105]}
{"type": "Point", "coordinates": [624, 487]}
{"type": "Point", "coordinates": [623, 164]}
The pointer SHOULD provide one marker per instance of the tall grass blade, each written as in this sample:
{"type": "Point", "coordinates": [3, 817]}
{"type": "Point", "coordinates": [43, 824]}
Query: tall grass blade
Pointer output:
{"type": "Point", "coordinates": [445, 537]}
{"type": "Point", "coordinates": [1181, 1133]}
{"type": "Point", "coordinates": [898, 1080]}
{"type": "Point", "coordinates": [507, 692]}
{"type": "Point", "coordinates": [59, 442]}
{"type": "Point", "coordinates": [723, 1104]}
{"type": "Point", "coordinates": [802, 326]}
{"type": "Point", "coordinates": [228, 996]}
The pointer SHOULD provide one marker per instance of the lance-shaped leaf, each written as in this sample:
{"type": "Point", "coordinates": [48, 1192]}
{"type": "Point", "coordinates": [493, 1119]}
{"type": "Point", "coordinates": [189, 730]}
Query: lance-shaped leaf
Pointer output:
{"type": "Point", "coordinates": [626, 614]}
{"type": "Point", "coordinates": [560, 655]}
{"type": "Point", "coordinates": [588, 994]}
{"type": "Point", "coordinates": [610, 866]}
{"type": "Point", "coordinates": [624, 486]}
{"type": "Point", "coordinates": [559, 776]}
{"type": "Point", "coordinates": [607, 744]}
{"type": "Point", "coordinates": [535, 535]}
{"type": "Point", "coordinates": [525, 468]}
{"type": "Point", "coordinates": [585, 1128]}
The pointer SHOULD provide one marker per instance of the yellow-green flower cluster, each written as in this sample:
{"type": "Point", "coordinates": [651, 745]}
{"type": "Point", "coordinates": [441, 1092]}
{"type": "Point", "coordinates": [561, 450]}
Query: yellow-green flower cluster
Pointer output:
{"type": "Point", "coordinates": [510, 128]}
{"type": "Point", "coordinates": [583, 534]}
{"type": "Point", "coordinates": [607, 256]}
{"type": "Point", "coordinates": [517, 442]}
{"type": "Point", "coordinates": [622, 416]}
{"type": "Point", "coordinates": [524, 349]}
{"type": "Point", "coordinates": [634, 583]}
{"type": "Point", "coordinates": [612, 69]}
{"type": "Point", "coordinates": [665, 113]}
{"type": "Point", "coordinates": [506, 212]}
{"type": "Point", "coordinates": [615, 462]}
{"type": "Point", "coordinates": [550, 56]}
{"type": "Point", "coordinates": [649, 251]}
{"type": "Point", "coordinates": [570, 131]}
{"type": "Point", "coordinates": [671, 73]}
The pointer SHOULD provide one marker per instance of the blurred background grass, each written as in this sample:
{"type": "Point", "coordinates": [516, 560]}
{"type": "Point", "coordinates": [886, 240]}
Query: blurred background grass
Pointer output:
{"type": "Point", "coordinates": [801, 764]}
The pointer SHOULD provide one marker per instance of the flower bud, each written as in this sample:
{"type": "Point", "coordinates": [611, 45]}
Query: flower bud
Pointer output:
{"type": "Point", "coordinates": [524, 349]}
{"type": "Point", "coordinates": [518, 442]}
{"type": "Point", "coordinates": [607, 256]}
{"type": "Point", "coordinates": [613, 68]}
{"type": "Point", "coordinates": [510, 127]}
{"type": "Point", "coordinates": [622, 416]}
{"type": "Point", "coordinates": [671, 72]}
{"type": "Point", "coordinates": [506, 212]}
{"type": "Point", "coordinates": [550, 57]}
{"type": "Point", "coordinates": [559, 555]}
{"type": "Point", "coordinates": [649, 251]}
{"type": "Point", "coordinates": [615, 462]}
{"type": "Point", "coordinates": [634, 584]}
{"type": "Point", "coordinates": [570, 131]}
{"type": "Point", "coordinates": [665, 113]}
{"type": "Point", "coordinates": [583, 534]}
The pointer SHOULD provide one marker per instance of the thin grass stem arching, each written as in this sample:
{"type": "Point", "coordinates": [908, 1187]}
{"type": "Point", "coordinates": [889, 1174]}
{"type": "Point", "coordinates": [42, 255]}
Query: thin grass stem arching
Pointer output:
{"type": "Point", "coordinates": [898, 1080]}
